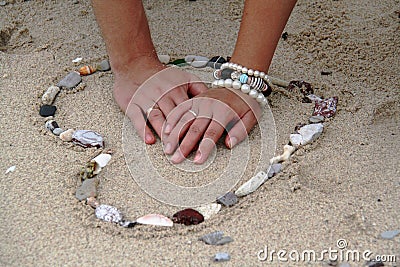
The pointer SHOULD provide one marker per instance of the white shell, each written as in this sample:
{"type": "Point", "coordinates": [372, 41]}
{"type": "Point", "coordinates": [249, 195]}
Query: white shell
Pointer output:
{"type": "Point", "coordinates": [251, 185]}
{"type": "Point", "coordinates": [108, 213]}
{"type": "Point", "coordinates": [155, 219]}
{"type": "Point", "coordinates": [50, 94]}
{"type": "Point", "coordinates": [164, 58]}
{"type": "Point", "coordinates": [101, 160]}
{"type": "Point", "coordinates": [77, 60]}
{"type": "Point", "coordinates": [209, 210]}
{"type": "Point", "coordinates": [66, 136]}
{"type": "Point", "coordinates": [11, 169]}
{"type": "Point", "coordinates": [287, 151]}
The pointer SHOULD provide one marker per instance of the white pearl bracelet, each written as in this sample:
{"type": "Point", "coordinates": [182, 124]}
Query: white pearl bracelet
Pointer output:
{"type": "Point", "coordinates": [244, 88]}
{"type": "Point", "coordinates": [247, 71]}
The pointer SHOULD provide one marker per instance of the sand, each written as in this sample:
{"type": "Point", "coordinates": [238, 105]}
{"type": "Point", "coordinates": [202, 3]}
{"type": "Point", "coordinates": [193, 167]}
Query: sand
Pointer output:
{"type": "Point", "coordinates": [344, 186]}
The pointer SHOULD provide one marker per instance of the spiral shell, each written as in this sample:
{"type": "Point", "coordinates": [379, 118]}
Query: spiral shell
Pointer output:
{"type": "Point", "coordinates": [86, 70]}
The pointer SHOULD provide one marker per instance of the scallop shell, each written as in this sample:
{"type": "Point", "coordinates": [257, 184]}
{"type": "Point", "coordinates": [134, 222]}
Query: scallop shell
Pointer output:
{"type": "Point", "coordinates": [108, 213]}
{"type": "Point", "coordinates": [86, 70]}
{"type": "Point", "coordinates": [209, 210]}
{"type": "Point", "coordinates": [101, 161]}
{"type": "Point", "coordinates": [251, 185]}
{"type": "Point", "coordinates": [155, 219]}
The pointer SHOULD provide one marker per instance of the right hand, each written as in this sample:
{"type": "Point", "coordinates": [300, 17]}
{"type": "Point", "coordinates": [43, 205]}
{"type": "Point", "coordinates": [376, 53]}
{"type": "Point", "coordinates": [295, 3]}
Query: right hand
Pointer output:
{"type": "Point", "coordinates": [167, 88]}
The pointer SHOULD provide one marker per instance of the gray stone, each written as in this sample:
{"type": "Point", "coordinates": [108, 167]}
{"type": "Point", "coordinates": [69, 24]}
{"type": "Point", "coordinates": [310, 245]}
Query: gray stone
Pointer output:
{"type": "Point", "coordinates": [275, 168]}
{"type": "Point", "coordinates": [87, 189]}
{"type": "Point", "coordinates": [311, 132]}
{"type": "Point", "coordinates": [3, 3]}
{"type": "Point", "coordinates": [51, 125]}
{"type": "Point", "coordinates": [229, 199]}
{"type": "Point", "coordinates": [390, 234]}
{"type": "Point", "coordinates": [104, 65]}
{"type": "Point", "coordinates": [316, 119]}
{"type": "Point", "coordinates": [222, 256]}
{"type": "Point", "coordinates": [197, 61]}
{"type": "Point", "coordinates": [344, 264]}
{"type": "Point", "coordinates": [296, 139]}
{"type": "Point", "coordinates": [70, 81]}
{"type": "Point", "coordinates": [57, 131]}
{"type": "Point", "coordinates": [216, 238]}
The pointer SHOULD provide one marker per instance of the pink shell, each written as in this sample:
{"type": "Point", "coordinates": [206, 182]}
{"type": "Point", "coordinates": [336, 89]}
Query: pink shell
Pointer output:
{"type": "Point", "coordinates": [155, 219]}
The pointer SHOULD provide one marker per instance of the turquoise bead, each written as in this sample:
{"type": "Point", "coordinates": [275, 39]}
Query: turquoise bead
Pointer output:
{"type": "Point", "coordinates": [243, 78]}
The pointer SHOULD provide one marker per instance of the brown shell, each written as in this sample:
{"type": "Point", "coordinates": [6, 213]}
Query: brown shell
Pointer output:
{"type": "Point", "coordinates": [86, 70]}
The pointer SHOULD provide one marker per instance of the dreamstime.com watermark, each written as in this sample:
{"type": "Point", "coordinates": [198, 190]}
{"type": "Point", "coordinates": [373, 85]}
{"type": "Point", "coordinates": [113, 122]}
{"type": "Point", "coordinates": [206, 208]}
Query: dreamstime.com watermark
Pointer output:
{"type": "Point", "coordinates": [339, 253]}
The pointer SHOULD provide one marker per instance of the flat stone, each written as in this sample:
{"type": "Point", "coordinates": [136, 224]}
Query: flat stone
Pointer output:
{"type": "Point", "coordinates": [222, 256]}
{"type": "Point", "coordinates": [229, 199]}
{"type": "Point", "coordinates": [197, 61]}
{"type": "Point", "coordinates": [47, 110]}
{"type": "Point", "coordinates": [390, 234]}
{"type": "Point", "coordinates": [164, 59]}
{"type": "Point", "coordinates": [296, 139]}
{"type": "Point", "coordinates": [209, 210]}
{"type": "Point", "coordinates": [104, 65]}
{"type": "Point", "coordinates": [316, 119]}
{"type": "Point", "coordinates": [216, 238]}
{"type": "Point", "coordinates": [311, 132]}
{"type": "Point", "coordinates": [50, 94]}
{"type": "Point", "coordinates": [275, 168]}
{"type": "Point", "coordinates": [252, 184]}
{"type": "Point", "coordinates": [57, 131]}
{"type": "Point", "coordinates": [87, 189]}
{"type": "Point", "coordinates": [70, 81]}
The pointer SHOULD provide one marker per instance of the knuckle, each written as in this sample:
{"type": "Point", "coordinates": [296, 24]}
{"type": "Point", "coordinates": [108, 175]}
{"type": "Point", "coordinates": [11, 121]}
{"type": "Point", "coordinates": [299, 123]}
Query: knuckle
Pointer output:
{"type": "Point", "coordinates": [211, 133]}
{"type": "Point", "coordinates": [195, 129]}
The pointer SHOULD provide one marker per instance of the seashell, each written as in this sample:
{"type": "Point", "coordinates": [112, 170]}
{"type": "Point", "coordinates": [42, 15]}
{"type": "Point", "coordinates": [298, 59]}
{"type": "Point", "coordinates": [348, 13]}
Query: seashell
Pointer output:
{"type": "Point", "coordinates": [92, 202]}
{"type": "Point", "coordinates": [287, 151]}
{"type": "Point", "coordinates": [86, 139]}
{"type": "Point", "coordinates": [66, 136]}
{"type": "Point", "coordinates": [50, 94]}
{"type": "Point", "coordinates": [296, 139]}
{"type": "Point", "coordinates": [188, 217]}
{"type": "Point", "coordinates": [101, 161]}
{"type": "Point", "coordinates": [251, 185]}
{"type": "Point", "coordinates": [209, 210]}
{"type": "Point", "coordinates": [86, 70]}
{"type": "Point", "coordinates": [229, 199]}
{"type": "Point", "coordinates": [108, 213]}
{"type": "Point", "coordinates": [88, 171]}
{"type": "Point", "coordinates": [11, 169]}
{"type": "Point", "coordinates": [155, 219]}
{"type": "Point", "coordinates": [326, 107]}
{"type": "Point", "coordinates": [316, 119]}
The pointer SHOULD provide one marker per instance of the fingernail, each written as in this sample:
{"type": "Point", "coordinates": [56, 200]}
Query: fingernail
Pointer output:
{"type": "Point", "coordinates": [149, 138]}
{"type": "Point", "coordinates": [198, 156]}
{"type": "Point", "coordinates": [167, 148]}
{"type": "Point", "coordinates": [167, 129]}
{"type": "Point", "coordinates": [232, 142]}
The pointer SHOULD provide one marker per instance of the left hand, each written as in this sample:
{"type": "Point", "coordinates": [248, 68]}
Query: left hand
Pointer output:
{"type": "Point", "coordinates": [204, 118]}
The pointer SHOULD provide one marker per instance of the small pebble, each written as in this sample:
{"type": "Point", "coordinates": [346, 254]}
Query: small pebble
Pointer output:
{"type": "Point", "coordinates": [275, 169]}
{"type": "Point", "coordinates": [229, 199]}
{"type": "Point", "coordinates": [316, 119]}
{"type": "Point", "coordinates": [51, 125]}
{"type": "Point", "coordinates": [127, 224]}
{"type": "Point", "coordinates": [374, 264]}
{"type": "Point", "coordinates": [326, 107]}
{"type": "Point", "coordinates": [108, 213]}
{"type": "Point", "coordinates": [285, 36]}
{"type": "Point", "coordinates": [209, 210]}
{"type": "Point", "coordinates": [77, 60]}
{"type": "Point", "coordinates": [197, 61]}
{"type": "Point", "coordinates": [188, 217]}
{"type": "Point", "coordinates": [57, 131]}
{"type": "Point", "coordinates": [311, 132]}
{"type": "Point", "coordinates": [390, 234]}
{"type": "Point", "coordinates": [87, 189]}
{"type": "Point", "coordinates": [66, 136]}
{"type": "Point", "coordinates": [92, 202]}
{"type": "Point", "coordinates": [104, 65]}
{"type": "Point", "coordinates": [326, 72]}
{"type": "Point", "coordinates": [70, 81]}
{"type": "Point", "coordinates": [47, 110]}
{"type": "Point", "coordinates": [50, 94]}
{"type": "Point", "coordinates": [3, 3]}
{"type": "Point", "coordinates": [296, 139]}
{"type": "Point", "coordinates": [87, 139]}
{"type": "Point", "coordinates": [164, 58]}
{"type": "Point", "coordinates": [11, 169]}
{"type": "Point", "coordinates": [222, 256]}
{"type": "Point", "coordinates": [216, 239]}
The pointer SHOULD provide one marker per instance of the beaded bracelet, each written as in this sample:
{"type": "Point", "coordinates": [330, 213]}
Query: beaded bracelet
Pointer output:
{"type": "Point", "coordinates": [251, 82]}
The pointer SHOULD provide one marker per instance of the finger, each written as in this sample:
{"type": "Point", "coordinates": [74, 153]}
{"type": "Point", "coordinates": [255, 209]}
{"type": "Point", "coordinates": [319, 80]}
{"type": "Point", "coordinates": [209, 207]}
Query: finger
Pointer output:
{"type": "Point", "coordinates": [180, 96]}
{"type": "Point", "coordinates": [192, 137]}
{"type": "Point", "coordinates": [196, 87]}
{"type": "Point", "coordinates": [240, 130]}
{"type": "Point", "coordinates": [211, 136]}
{"type": "Point", "coordinates": [166, 104]}
{"type": "Point", "coordinates": [156, 119]}
{"type": "Point", "coordinates": [135, 114]}
{"type": "Point", "coordinates": [173, 118]}
{"type": "Point", "coordinates": [179, 130]}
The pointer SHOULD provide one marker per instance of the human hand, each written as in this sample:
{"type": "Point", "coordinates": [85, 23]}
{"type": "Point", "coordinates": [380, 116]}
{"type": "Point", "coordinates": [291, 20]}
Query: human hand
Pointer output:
{"type": "Point", "coordinates": [204, 118]}
{"type": "Point", "coordinates": [140, 97]}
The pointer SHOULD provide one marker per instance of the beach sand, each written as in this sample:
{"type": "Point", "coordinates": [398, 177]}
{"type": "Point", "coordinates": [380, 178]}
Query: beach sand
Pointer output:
{"type": "Point", "coordinates": [346, 185]}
